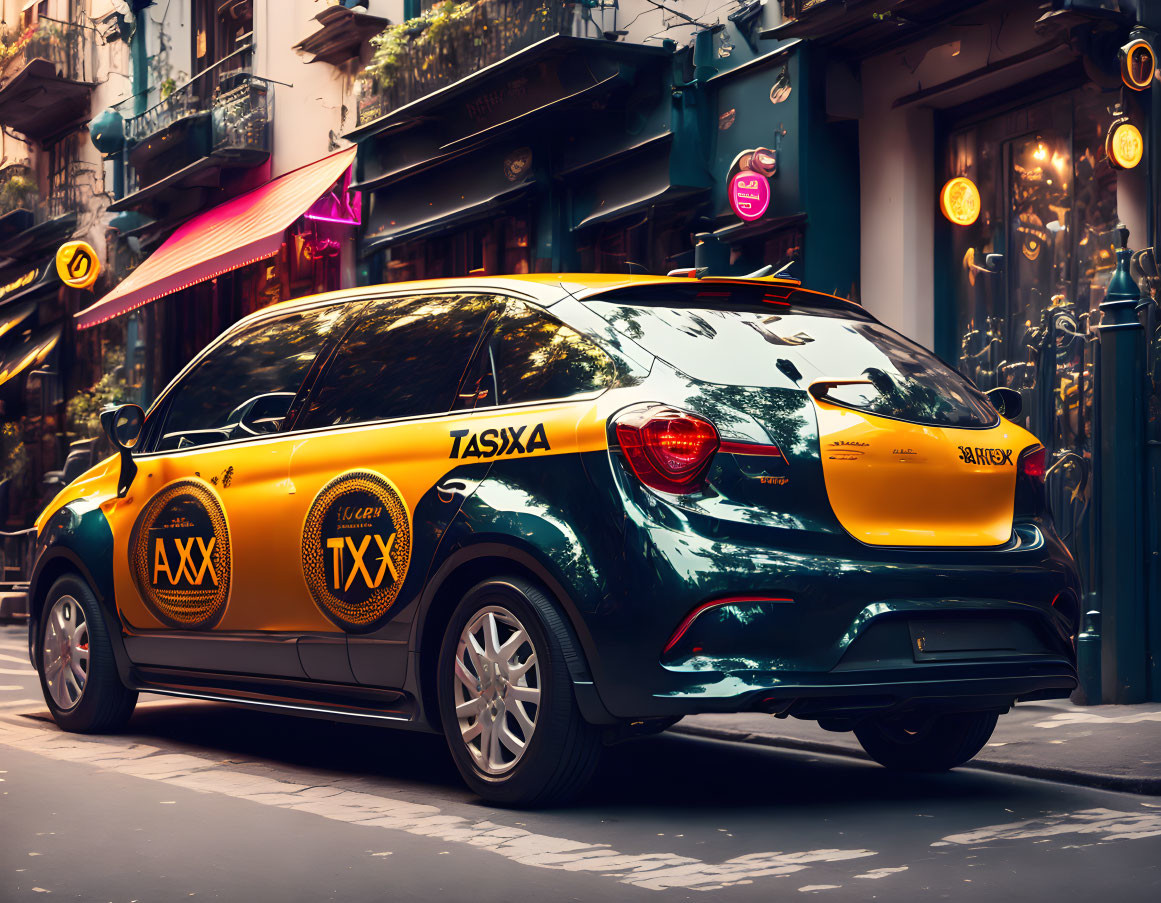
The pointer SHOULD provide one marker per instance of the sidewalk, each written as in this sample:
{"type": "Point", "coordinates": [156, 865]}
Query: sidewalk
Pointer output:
{"type": "Point", "coordinates": [1108, 747]}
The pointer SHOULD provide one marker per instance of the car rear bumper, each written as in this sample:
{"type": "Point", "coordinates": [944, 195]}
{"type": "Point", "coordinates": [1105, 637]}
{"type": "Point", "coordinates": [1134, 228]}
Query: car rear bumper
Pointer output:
{"type": "Point", "coordinates": [848, 695]}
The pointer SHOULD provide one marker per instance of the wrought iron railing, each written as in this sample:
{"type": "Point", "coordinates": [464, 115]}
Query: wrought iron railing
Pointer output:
{"type": "Point", "coordinates": [198, 95]}
{"type": "Point", "coordinates": [66, 45]}
{"type": "Point", "coordinates": [450, 42]}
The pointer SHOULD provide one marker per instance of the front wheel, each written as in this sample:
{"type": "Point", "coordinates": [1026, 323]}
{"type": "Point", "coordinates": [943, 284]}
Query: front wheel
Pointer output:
{"type": "Point", "coordinates": [78, 673]}
{"type": "Point", "coordinates": [506, 699]}
{"type": "Point", "coordinates": [926, 742]}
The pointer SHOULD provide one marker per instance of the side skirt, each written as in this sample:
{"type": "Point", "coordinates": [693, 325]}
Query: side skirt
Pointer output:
{"type": "Point", "coordinates": [311, 699]}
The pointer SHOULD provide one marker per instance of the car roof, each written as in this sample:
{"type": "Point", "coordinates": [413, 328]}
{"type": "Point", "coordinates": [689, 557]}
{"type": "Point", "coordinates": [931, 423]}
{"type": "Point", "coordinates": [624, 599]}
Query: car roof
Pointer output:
{"type": "Point", "coordinates": [546, 288]}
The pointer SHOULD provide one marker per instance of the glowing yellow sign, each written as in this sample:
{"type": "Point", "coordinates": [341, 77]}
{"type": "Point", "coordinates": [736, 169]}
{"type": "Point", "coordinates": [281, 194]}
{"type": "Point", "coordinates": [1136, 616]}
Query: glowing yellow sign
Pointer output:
{"type": "Point", "coordinates": [960, 201]}
{"type": "Point", "coordinates": [77, 264]}
{"type": "Point", "coordinates": [1125, 146]}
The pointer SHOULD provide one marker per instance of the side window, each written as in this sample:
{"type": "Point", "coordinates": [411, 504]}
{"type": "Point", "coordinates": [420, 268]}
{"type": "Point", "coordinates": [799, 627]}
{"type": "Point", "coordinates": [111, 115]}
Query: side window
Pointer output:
{"type": "Point", "coordinates": [244, 387]}
{"type": "Point", "coordinates": [538, 358]}
{"type": "Point", "coordinates": [405, 357]}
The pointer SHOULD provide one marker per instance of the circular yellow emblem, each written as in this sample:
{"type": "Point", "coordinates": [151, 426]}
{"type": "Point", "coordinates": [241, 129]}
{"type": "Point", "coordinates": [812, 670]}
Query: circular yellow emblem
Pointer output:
{"type": "Point", "coordinates": [356, 545]}
{"type": "Point", "coordinates": [960, 201]}
{"type": "Point", "coordinates": [77, 264]}
{"type": "Point", "coordinates": [1125, 145]}
{"type": "Point", "coordinates": [179, 556]}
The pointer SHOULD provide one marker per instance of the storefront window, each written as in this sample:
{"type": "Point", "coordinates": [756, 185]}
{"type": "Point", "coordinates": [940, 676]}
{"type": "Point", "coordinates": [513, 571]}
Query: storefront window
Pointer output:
{"type": "Point", "coordinates": [1048, 206]}
{"type": "Point", "coordinates": [497, 247]}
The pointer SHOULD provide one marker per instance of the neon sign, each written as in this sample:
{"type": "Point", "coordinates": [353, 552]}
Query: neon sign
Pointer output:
{"type": "Point", "coordinates": [749, 194]}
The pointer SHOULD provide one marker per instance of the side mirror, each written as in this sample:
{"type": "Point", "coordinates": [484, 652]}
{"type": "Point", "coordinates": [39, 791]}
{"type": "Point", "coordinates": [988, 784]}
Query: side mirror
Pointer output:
{"type": "Point", "coordinates": [1007, 401]}
{"type": "Point", "coordinates": [123, 426]}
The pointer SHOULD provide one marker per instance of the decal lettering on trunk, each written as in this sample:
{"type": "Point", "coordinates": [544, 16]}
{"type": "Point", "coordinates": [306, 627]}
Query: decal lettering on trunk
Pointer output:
{"type": "Point", "coordinates": [356, 546]}
{"type": "Point", "coordinates": [986, 457]}
{"type": "Point", "coordinates": [179, 556]}
{"type": "Point", "coordinates": [494, 443]}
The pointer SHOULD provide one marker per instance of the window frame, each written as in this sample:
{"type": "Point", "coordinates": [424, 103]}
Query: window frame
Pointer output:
{"type": "Point", "coordinates": [159, 411]}
{"type": "Point", "coordinates": [506, 295]}
{"type": "Point", "coordinates": [155, 416]}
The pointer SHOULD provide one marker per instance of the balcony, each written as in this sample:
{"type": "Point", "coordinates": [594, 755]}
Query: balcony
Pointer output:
{"type": "Point", "coordinates": [44, 78]}
{"type": "Point", "coordinates": [28, 220]}
{"type": "Point", "coordinates": [341, 34]}
{"type": "Point", "coordinates": [218, 121]}
{"type": "Point", "coordinates": [450, 42]}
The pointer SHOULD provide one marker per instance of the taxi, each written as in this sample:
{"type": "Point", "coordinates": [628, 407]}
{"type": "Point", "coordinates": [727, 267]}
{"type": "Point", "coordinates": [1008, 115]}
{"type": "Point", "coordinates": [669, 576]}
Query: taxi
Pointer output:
{"type": "Point", "coordinates": [541, 514]}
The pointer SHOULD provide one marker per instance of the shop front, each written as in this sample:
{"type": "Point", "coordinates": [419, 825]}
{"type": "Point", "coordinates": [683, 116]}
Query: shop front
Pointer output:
{"type": "Point", "coordinates": [1000, 147]}
{"type": "Point", "coordinates": [293, 236]}
{"type": "Point", "coordinates": [562, 155]}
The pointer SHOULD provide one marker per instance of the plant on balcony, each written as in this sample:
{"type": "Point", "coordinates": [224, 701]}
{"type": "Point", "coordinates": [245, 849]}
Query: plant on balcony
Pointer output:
{"type": "Point", "coordinates": [453, 39]}
{"type": "Point", "coordinates": [13, 40]}
{"type": "Point", "coordinates": [17, 192]}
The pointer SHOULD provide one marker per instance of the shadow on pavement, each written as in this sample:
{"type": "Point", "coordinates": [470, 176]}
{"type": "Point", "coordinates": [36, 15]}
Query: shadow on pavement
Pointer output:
{"type": "Point", "coordinates": [673, 772]}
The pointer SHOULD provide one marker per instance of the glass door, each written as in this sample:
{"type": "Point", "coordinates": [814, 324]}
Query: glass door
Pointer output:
{"type": "Point", "coordinates": [1024, 316]}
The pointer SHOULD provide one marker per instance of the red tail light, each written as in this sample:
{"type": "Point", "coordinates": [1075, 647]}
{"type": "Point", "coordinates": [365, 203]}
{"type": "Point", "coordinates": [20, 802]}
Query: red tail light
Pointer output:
{"type": "Point", "coordinates": [1031, 463]}
{"type": "Point", "coordinates": [667, 449]}
{"type": "Point", "coordinates": [1031, 469]}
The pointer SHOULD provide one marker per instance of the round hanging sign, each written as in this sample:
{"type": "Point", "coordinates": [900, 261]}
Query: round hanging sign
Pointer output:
{"type": "Point", "coordinates": [1124, 144]}
{"type": "Point", "coordinates": [77, 264]}
{"type": "Point", "coordinates": [960, 201]}
{"type": "Point", "coordinates": [749, 194]}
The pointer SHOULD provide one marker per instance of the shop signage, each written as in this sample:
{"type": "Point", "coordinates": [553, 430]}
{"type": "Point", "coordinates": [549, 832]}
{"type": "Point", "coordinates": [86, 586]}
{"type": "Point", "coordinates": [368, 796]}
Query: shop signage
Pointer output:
{"type": "Point", "coordinates": [1138, 63]}
{"type": "Point", "coordinates": [1124, 145]}
{"type": "Point", "coordinates": [960, 201]}
{"type": "Point", "coordinates": [77, 264]}
{"type": "Point", "coordinates": [749, 194]}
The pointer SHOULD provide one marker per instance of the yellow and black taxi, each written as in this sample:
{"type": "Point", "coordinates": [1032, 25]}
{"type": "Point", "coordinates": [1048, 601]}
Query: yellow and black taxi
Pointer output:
{"type": "Point", "coordinates": [543, 513]}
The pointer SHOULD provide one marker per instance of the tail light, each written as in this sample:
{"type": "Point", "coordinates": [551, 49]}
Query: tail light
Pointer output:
{"type": "Point", "coordinates": [1031, 468]}
{"type": "Point", "coordinates": [667, 449]}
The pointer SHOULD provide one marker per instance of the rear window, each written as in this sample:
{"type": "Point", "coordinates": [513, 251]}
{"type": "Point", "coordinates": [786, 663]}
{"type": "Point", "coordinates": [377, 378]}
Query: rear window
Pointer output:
{"type": "Point", "coordinates": [735, 340]}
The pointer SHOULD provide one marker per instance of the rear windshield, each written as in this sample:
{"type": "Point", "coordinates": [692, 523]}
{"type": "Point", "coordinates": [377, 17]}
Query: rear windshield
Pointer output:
{"type": "Point", "coordinates": [740, 341]}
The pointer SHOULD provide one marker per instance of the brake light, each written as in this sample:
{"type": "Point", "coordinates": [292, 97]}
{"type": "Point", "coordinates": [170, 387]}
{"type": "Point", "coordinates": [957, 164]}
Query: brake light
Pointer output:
{"type": "Point", "coordinates": [1031, 463]}
{"type": "Point", "coordinates": [667, 449]}
{"type": "Point", "coordinates": [1031, 469]}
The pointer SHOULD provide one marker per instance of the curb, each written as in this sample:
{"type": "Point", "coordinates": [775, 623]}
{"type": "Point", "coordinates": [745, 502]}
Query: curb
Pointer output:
{"type": "Point", "coordinates": [1146, 786]}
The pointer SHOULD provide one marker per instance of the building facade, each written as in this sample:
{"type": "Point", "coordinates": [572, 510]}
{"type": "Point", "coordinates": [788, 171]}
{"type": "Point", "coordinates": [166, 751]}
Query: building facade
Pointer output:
{"type": "Point", "coordinates": [1023, 106]}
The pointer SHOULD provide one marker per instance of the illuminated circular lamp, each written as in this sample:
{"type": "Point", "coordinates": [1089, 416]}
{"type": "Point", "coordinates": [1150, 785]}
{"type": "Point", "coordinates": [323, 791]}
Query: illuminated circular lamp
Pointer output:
{"type": "Point", "coordinates": [959, 201]}
{"type": "Point", "coordinates": [1138, 63]}
{"type": "Point", "coordinates": [1124, 145]}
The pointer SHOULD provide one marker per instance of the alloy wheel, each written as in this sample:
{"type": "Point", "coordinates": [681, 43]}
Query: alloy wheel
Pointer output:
{"type": "Point", "coordinates": [497, 689]}
{"type": "Point", "coordinates": [64, 653]}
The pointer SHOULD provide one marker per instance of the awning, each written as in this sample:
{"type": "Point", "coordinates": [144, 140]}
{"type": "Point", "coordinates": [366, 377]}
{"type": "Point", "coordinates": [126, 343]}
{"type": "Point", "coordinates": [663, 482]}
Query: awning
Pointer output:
{"type": "Point", "coordinates": [32, 350]}
{"type": "Point", "coordinates": [241, 231]}
{"type": "Point", "coordinates": [11, 317]}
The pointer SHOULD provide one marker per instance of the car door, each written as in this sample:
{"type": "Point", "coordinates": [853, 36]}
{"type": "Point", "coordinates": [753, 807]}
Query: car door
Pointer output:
{"type": "Point", "coordinates": [373, 485]}
{"type": "Point", "coordinates": [198, 547]}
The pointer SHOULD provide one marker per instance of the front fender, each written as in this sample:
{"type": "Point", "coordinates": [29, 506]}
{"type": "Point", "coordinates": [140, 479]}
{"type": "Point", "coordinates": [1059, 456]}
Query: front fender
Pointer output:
{"type": "Point", "coordinates": [77, 538]}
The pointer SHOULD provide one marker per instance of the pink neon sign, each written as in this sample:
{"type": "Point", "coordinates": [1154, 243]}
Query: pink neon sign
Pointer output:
{"type": "Point", "coordinates": [749, 195]}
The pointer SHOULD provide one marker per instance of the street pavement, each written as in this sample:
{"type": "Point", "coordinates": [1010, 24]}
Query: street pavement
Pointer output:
{"type": "Point", "coordinates": [203, 801]}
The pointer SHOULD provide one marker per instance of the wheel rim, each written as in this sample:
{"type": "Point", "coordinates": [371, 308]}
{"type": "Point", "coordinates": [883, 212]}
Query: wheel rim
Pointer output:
{"type": "Point", "coordinates": [497, 689]}
{"type": "Point", "coordinates": [65, 652]}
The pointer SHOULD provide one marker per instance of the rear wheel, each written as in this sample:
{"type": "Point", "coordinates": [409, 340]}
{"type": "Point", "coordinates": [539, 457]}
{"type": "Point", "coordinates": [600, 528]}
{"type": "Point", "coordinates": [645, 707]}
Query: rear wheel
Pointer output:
{"type": "Point", "coordinates": [927, 742]}
{"type": "Point", "coordinates": [75, 659]}
{"type": "Point", "coordinates": [506, 699]}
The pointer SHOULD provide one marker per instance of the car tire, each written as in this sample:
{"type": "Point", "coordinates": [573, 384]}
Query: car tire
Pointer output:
{"type": "Point", "coordinates": [930, 743]}
{"type": "Point", "coordinates": [81, 685]}
{"type": "Point", "coordinates": [486, 697]}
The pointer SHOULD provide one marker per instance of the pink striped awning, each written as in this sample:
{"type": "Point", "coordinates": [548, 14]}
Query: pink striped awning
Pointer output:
{"type": "Point", "coordinates": [243, 230]}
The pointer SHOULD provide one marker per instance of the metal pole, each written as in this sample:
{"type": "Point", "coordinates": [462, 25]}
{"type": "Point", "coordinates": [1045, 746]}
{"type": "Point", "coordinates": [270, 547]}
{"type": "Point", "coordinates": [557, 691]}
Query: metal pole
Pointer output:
{"type": "Point", "coordinates": [1120, 511]}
